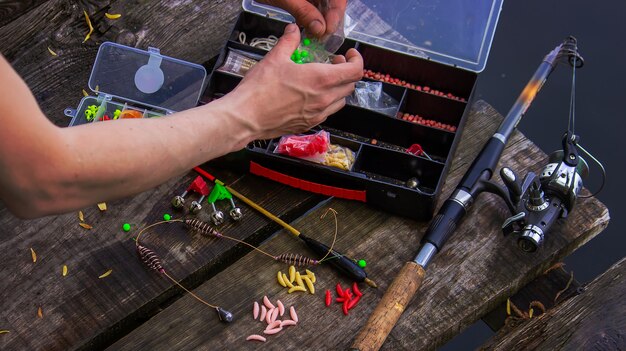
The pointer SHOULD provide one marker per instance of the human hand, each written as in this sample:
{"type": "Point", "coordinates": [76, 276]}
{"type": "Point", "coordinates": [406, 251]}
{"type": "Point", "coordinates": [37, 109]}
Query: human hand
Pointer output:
{"type": "Point", "coordinates": [308, 16]}
{"type": "Point", "coordinates": [278, 96]}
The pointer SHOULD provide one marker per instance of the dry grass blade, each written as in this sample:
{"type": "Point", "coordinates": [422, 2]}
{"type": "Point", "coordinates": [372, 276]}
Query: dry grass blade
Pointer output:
{"type": "Point", "coordinates": [102, 206]}
{"type": "Point", "coordinates": [554, 266]}
{"type": "Point", "coordinates": [4, 331]}
{"type": "Point", "coordinates": [52, 52]}
{"type": "Point", "coordinates": [39, 313]}
{"type": "Point", "coordinates": [64, 270]}
{"type": "Point", "coordinates": [81, 216]}
{"type": "Point", "coordinates": [33, 255]}
{"type": "Point", "coordinates": [85, 93]}
{"type": "Point", "coordinates": [538, 305]}
{"type": "Point", "coordinates": [90, 26]}
{"type": "Point", "coordinates": [106, 274]}
{"type": "Point", "coordinates": [569, 282]}
{"type": "Point", "coordinates": [85, 225]}
{"type": "Point", "coordinates": [112, 15]}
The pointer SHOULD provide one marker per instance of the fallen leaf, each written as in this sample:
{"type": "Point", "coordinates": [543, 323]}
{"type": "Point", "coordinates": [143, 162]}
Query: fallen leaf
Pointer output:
{"type": "Point", "coordinates": [85, 225]}
{"type": "Point", "coordinates": [113, 15]}
{"type": "Point", "coordinates": [52, 52]}
{"type": "Point", "coordinates": [90, 26]}
{"type": "Point", "coordinates": [4, 331]}
{"type": "Point", "coordinates": [508, 307]}
{"type": "Point", "coordinates": [33, 254]}
{"type": "Point", "coordinates": [81, 216]}
{"type": "Point", "coordinates": [64, 270]}
{"type": "Point", "coordinates": [106, 274]}
{"type": "Point", "coordinates": [102, 206]}
{"type": "Point", "coordinates": [85, 93]}
{"type": "Point", "coordinates": [39, 313]}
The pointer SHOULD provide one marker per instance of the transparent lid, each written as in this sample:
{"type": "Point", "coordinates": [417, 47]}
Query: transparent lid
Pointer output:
{"type": "Point", "coordinates": [146, 77]}
{"type": "Point", "coordinates": [453, 32]}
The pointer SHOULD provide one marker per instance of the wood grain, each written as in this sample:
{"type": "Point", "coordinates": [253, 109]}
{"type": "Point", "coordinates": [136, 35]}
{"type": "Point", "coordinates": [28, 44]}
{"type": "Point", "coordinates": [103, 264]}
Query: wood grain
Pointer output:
{"type": "Point", "coordinates": [391, 306]}
{"type": "Point", "coordinates": [183, 29]}
{"type": "Point", "coordinates": [476, 271]}
{"type": "Point", "coordinates": [82, 311]}
{"type": "Point", "coordinates": [593, 320]}
{"type": "Point", "coordinates": [550, 289]}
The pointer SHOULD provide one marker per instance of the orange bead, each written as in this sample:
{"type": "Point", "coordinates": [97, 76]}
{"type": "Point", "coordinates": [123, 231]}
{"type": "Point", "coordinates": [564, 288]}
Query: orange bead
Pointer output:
{"type": "Point", "coordinates": [131, 114]}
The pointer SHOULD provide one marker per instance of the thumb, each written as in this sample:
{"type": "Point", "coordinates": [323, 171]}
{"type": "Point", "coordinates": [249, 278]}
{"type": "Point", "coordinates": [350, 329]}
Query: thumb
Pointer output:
{"type": "Point", "coordinates": [288, 43]}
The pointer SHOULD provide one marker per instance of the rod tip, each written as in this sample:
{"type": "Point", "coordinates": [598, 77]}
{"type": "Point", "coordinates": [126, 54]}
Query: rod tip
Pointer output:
{"type": "Point", "coordinates": [370, 282]}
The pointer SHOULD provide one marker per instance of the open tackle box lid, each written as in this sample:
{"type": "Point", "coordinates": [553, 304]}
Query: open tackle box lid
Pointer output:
{"type": "Point", "coordinates": [146, 77]}
{"type": "Point", "coordinates": [455, 32]}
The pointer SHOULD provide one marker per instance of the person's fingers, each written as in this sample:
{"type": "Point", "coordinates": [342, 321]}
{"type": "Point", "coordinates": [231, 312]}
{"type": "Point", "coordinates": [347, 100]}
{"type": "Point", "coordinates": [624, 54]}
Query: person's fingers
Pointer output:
{"type": "Point", "coordinates": [350, 71]}
{"type": "Point", "coordinates": [305, 14]}
{"type": "Point", "coordinates": [334, 15]}
{"type": "Point", "coordinates": [338, 59]}
{"type": "Point", "coordinates": [287, 43]}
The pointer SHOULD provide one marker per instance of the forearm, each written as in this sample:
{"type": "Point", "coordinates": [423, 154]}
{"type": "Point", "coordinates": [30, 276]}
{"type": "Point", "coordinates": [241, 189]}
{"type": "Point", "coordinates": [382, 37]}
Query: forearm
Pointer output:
{"type": "Point", "coordinates": [108, 160]}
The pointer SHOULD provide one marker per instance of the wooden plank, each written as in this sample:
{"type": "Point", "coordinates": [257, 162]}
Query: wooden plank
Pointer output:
{"type": "Point", "coordinates": [476, 271]}
{"type": "Point", "coordinates": [550, 289]}
{"type": "Point", "coordinates": [183, 29]}
{"type": "Point", "coordinates": [101, 310]}
{"type": "Point", "coordinates": [80, 310]}
{"type": "Point", "coordinates": [593, 320]}
{"type": "Point", "coordinates": [10, 10]}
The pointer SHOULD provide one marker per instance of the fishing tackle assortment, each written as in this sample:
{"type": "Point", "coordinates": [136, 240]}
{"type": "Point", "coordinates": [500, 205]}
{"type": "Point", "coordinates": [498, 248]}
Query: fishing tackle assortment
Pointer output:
{"type": "Point", "coordinates": [303, 281]}
{"type": "Point", "coordinates": [151, 260]}
{"type": "Point", "coordinates": [198, 186]}
{"type": "Point", "coordinates": [208, 230]}
{"type": "Point", "coordinates": [219, 192]}
{"type": "Point", "coordinates": [536, 202]}
{"type": "Point", "coordinates": [342, 263]}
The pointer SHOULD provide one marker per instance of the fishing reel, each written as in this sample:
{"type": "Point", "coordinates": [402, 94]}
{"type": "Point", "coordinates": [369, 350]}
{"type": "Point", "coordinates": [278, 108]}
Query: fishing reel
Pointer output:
{"type": "Point", "coordinates": [538, 201]}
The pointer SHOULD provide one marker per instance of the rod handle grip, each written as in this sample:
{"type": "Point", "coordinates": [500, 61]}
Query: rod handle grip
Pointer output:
{"type": "Point", "coordinates": [372, 336]}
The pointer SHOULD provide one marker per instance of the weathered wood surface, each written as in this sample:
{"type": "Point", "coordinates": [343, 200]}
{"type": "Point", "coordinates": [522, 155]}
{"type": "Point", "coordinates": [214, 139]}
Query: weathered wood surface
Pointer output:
{"type": "Point", "coordinates": [593, 320]}
{"type": "Point", "coordinates": [184, 29]}
{"type": "Point", "coordinates": [476, 271]}
{"type": "Point", "coordinates": [80, 310]}
{"type": "Point", "coordinates": [551, 288]}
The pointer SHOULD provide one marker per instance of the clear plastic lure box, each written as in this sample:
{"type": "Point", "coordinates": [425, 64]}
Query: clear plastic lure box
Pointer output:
{"type": "Point", "coordinates": [436, 49]}
{"type": "Point", "coordinates": [132, 83]}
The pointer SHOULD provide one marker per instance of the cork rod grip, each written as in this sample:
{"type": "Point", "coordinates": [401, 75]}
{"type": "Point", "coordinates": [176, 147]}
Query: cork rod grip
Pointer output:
{"type": "Point", "coordinates": [390, 308]}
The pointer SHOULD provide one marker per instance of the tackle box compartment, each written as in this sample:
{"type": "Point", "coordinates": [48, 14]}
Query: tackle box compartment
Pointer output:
{"type": "Point", "coordinates": [139, 84]}
{"type": "Point", "coordinates": [438, 51]}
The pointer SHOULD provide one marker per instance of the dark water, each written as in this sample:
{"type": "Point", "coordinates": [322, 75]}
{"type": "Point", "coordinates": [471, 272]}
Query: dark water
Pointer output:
{"type": "Point", "coordinates": [527, 30]}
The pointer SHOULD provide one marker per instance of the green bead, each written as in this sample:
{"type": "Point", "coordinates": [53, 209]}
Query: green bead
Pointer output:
{"type": "Point", "coordinates": [306, 42]}
{"type": "Point", "coordinates": [362, 263]}
{"type": "Point", "coordinates": [126, 227]}
{"type": "Point", "coordinates": [304, 53]}
{"type": "Point", "coordinates": [299, 62]}
{"type": "Point", "coordinates": [167, 217]}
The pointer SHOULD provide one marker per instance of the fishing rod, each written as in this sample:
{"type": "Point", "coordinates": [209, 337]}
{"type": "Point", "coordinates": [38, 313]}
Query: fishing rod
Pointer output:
{"type": "Point", "coordinates": [535, 203]}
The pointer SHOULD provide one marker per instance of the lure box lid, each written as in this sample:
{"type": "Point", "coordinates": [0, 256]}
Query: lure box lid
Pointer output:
{"type": "Point", "coordinates": [456, 33]}
{"type": "Point", "coordinates": [144, 78]}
